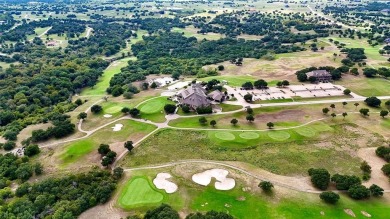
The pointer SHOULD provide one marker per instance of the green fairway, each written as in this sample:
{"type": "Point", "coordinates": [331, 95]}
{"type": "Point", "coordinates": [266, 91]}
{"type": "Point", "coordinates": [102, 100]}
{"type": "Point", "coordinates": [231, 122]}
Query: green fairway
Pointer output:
{"type": "Point", "coordinates": [249, 135]}
{"type": "Point", "coordinates": [104, 80]}
{"type": "Point", "coordinates": [153, 109]}
{"type": "Point", "coordinates": [279, 135]}
{"type": "Point", "coordinates": [137, 192]}
{"type": "Point", "coordinates": [226, 136]}
{"type": "Point", "coordinates": [75, 151]}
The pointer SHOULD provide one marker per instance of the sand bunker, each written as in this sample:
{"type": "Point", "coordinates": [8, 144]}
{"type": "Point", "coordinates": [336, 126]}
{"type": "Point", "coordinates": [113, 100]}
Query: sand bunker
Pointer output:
{"type": "Point", "coordinates": [222, 183]}
{"type": "Point", "coordinates": [117, 127]}
{"type": "Point", "coordinates": [161, 182]}
{"type": "Point", "coordinates": [365, 214]}
{"type": "Point", "coordinates": [349, 212]}
{"type": "Point", "coordinates": [107, 116]}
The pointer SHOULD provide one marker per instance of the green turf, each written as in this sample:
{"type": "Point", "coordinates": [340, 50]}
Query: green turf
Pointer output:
{"type": "Point", "coordinates": [249, 135]}
{"type": "Point", "coordinates": [113, 109]}
{"type": "Point", "coordinates": [306, 131]}
{"type": "Point", "coordinates": [226, 136]}
{"type": "Point", "coordinates": [139, 191]}
{"type": "Point", "coordinates": [153, 109]}
{"type": "Point", "coordinates": [294, 205]}
{"type": "Point", "coordinates": [75, 151]}
{"type": "Point", "coordinates": [279, 135]}
{"type": "Point", "coordinates": [228, 107]}
{"type": "Point", "coordinates": [104, 81]}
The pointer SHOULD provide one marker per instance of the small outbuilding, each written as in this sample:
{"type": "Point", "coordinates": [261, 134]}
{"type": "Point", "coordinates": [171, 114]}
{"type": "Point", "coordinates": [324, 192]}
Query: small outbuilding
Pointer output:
{"type": "Point", "coordinates": [216, 96]}
{"type": "Point", "coordinates": [320, 75]}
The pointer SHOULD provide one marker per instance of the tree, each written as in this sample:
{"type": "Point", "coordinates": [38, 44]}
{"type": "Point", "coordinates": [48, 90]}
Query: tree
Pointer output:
{"type": "Point", "coordinates": [266, 186]}
{"type": "Point", "coordinates": [9, 145]}
{"type": "Point", "coordinates": [78, 102]}
{"type": "Point", "coordinates": [176, 76]}
{"type": "Point", "coordinates": [285, 83]}
{"type": "Point", "coordinates": [24, 172]}
{"type": "Point", "coordinates": [38, 169]}
{"type": "Point", "coordinates": [333, 115]}
{"type": "Point", "coordinates": [356, 105]}
{"type": "Point", "coordinates": [376, 191]}
{"type": "Point", "coordinates": [332, 106]}
{"type": "Point", "coordinates": [302, 77]}
{"type": "Point", "coordinates": [153, 85]}
{"type": "Point", "coordinates": [386, 169]}
{"type": "Point", "coordinates": [95, 109]}
{"type": "Point", "coordinates": [129, 145]}
{"type": "Point", "coordinates": [330, 197]}
{"type": "Point", "coordinates": [270, 125]}
{"type": "Point", "coordinates": [213, 123]}
{"type": "Point", "coordinates": [104, 149]}
{"type": "Point", "coordinates": [325, 110]}
{"type": "Point", "coordinates": [387, 103]}
{"type": "Point", "coordinates": [344, 182]}
{"type": "Point", "coordinates": [82, 116]}
{"type": "Point", "coordinates": [202, 120]}
{"type": "Point", "coordinates": [260, 84]}
{"type": "Point", "coordinates": [370, 72]}
{"type": "Point", "coordinates": [320, 178]}
{"type": "Point", "coordinates": [163, 211]}
{"type": "Point", "coordinates": [31, 150]}
{"type": "Point", "coordinates": [134, 112]}
{"type": "Point", "coordinates": [344, 103]}
{"type": "Point", "coordinates": [221, 67]}
{"type": "Point", "coordinates": [128, 95]}
{"type": "Point", "coordinates": [358, 191]}
{"type": "Point", "coordinates": [170, 108]}
{"type": "Point", "coordinates": [249, 110]}
{"type": "Point", "coordinates": [373, 101]}
{"type": "Point", "coordinates": [125, 110]}
{"type": "Point", "coordinates": [248, 98]}
{"type": "Point", "coordinates": [247, 85]}
{"type": "Point", "coordinates": [364, 111]}
{"type": "Point", "coordinates": [344, 114]}
{"type": "Point", "coordinates": [384, 113]}
{"type": "Point", "coordinates": [234, 122]}
{"type": "Point", "coordinates": [117, 173]}
{"type": "Point", "coordinates": [185, 108]}
{"type": "Point", "coordinates": [250, 118]}
{"type": "Point", "coordinates": [145, 86]}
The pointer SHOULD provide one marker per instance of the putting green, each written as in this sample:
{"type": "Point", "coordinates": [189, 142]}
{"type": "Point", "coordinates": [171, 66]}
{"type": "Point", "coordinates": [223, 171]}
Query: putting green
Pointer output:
{"type": "Point", "coordinates": [226, 136]}
{"type": "Point", "coordinates": [139, 191]}
{"type": "Point", "coordinates": [279, 135]}
{"type": "Point", "coordinates": [153, 106]}
{"type": "Point", "coordinates": [113, 109]}
{"type": "Point", "coordinates": [249, 135]}
{"type": "Point", "coordinates": [306, 131]}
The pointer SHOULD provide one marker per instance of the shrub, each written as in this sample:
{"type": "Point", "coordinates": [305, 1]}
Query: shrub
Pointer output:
{"type": "Point", "coordinates": [204, 110]}
{"type": "Point", "coordinates": [96, 109]}
{"type": "Point", "coordinates": [128, 95]}
{"type": "Point", "coordinates": [347, 92]}
{"type": "Point", "coordinates": [373, 101]}
{"type": "Point", "coordinates": [320, 178]}
{"type": "Point", "coordinates": [344, 182]}
{"type": "Point", "coordinates": [329, 197]}
{"type": "Point", "coordinates": [31, 150]}
{"type": "Point", "coordinates": [9, 145]}
{"type": "Point", "coordinates": [358, 192]}
{"type": "Point", "coordinates": [376, 190]}
{"type": "Point", "coordinates": [266, 186]}
{"type": "Point", "coordinates": [202, 120]}
{"type": "Point", "coordinates": [170, 108]}
{"type": "Point", "coordinates": [185, 108]}
{"type": "Point", "coordinates": [386, 169]}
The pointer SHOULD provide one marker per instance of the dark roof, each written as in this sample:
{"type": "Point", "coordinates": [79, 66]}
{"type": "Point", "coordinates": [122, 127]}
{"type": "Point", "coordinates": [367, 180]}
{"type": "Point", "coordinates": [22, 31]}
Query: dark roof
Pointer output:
{"type": "Point", "coordinates": [216, 95]}
{"type": "Point", "coordinates": [195, 96]}
{"type": "Point", "coordinates": [318, 73]}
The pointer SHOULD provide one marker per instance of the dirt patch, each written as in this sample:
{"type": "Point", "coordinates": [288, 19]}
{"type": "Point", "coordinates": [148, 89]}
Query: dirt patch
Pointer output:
{"type": "Point", "coordinates": [376, 163]}
{"type": "Point", "coordinates": [286, 115]}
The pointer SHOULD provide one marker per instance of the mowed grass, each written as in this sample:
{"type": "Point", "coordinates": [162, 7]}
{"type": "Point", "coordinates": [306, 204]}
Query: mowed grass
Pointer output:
{"type": "Point", "coordinates": [75, 151]}
{"type": "Point", "coordinates": [138, 192]}
{"type": "Point", "coordinates": [104, 80]}
{"type": "Point", "coordinates": [153, 109]}
{"type": "Point", "coordinates": [278, 154]}
{"type": "Point", "coordinates": [366, 86]}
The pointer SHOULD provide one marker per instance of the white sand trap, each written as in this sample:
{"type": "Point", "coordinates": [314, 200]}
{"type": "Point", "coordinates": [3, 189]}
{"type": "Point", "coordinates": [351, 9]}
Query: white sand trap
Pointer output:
{"type": "Point", "coordinates": [117, 127]}
{"type": "Point", "coordinates": [107, 116]}
{"type": "Point", "coordinates": [222, 183]}
{"type": "Point", "coordinates": [161, 182]}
